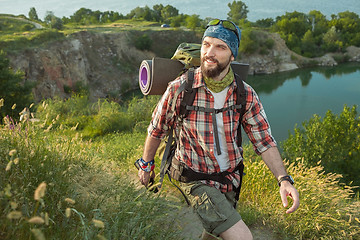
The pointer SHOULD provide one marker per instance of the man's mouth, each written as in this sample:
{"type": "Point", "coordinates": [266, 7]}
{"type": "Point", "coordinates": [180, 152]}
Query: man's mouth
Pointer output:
{"type": "Point", "coordinates": [211, 61]}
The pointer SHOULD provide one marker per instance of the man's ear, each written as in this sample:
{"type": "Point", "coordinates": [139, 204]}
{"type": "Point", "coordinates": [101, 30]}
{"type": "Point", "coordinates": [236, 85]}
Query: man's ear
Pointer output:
{"type": "Point", "coordinates": [232, 57]}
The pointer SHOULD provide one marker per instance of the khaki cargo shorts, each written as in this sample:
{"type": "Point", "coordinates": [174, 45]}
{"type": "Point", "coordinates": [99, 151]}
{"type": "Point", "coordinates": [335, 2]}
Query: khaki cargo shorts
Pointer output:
{"type": "Point", "coordinates": [214, 208]}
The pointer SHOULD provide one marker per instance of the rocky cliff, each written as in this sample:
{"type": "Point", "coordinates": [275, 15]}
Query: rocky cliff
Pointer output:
{"type": "Point", "coordinates": [107, 63]}
{"type": "Point", "coordinates": [102, 62]}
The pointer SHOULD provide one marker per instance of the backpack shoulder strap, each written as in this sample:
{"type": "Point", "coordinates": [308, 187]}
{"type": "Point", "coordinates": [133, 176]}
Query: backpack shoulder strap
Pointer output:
{"type": "Point", "coordinates": [188, 99]}
{"type": "Point", "coordinates": [240, 100]}
{"type": "Point", "coordinates": [189, 94]}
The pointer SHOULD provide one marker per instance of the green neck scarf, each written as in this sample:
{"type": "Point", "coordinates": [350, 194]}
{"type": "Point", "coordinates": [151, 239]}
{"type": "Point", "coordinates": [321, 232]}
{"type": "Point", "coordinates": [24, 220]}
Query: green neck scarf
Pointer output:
{"type": "Point", "coordinates": [218, 86]}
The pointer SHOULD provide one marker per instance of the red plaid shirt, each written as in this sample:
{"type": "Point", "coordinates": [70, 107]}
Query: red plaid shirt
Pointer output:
{"type": "Point", "coordinates": [196, 139]}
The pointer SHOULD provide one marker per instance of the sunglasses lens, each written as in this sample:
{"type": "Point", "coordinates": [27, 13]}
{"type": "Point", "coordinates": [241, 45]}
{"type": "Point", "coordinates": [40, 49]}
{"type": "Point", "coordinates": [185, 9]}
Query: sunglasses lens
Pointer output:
{"type": "Point", "coordinates": [229, 25]}
{"type": "Point", "coordinates": [214, 22]}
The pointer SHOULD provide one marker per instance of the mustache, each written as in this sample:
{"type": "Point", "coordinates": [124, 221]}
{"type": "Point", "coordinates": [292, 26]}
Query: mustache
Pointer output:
{"type": "Point", "coordinates": [211, 59]}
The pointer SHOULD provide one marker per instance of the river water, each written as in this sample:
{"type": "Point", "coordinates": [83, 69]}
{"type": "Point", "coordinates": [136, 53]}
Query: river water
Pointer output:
{"type": "Point", "coordinates": [292, 97]}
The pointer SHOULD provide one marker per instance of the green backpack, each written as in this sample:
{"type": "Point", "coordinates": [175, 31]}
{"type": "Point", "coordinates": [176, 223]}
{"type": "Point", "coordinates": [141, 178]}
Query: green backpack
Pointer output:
{"type": "Point", "coordinates": [188, 54]}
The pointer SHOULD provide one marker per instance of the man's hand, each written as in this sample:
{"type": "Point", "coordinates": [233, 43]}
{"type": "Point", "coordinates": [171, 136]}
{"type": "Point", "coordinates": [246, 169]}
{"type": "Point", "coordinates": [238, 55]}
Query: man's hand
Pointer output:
{"type": "Point", "coordinates": [288, 190]}
{"type": "Point", "coordinates": [144, 177]}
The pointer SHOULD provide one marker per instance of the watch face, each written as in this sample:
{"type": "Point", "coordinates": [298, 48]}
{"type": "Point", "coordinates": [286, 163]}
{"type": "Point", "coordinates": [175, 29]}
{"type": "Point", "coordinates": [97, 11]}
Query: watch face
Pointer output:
{"type": "Point", "coordinates": [286, 178]}
{"type": "Point", "coordinates": [292, 180]}
{"type": "Point", "coordinates": [289, 178]}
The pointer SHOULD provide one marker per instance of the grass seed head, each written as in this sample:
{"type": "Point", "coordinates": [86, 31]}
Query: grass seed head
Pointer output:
{"type": "Point", "coordinates": [14, 215]}
{"type": "Point", "coordinates": [69, 200]}
{"type": "Point", "coordinates": [68, 212]}
{"type": "Point", "coordinates": [12, 152]}
{"type": "Point", "coordinates": [8, 166]}
{"type": "Point", "coordinates": [98, 223]}
{"type": "Point", "coordinates": [40, 191]}
{"type": "Point", "coordinates": [38, 234]}
{"type": "Point", "coordinates": [36, 220]}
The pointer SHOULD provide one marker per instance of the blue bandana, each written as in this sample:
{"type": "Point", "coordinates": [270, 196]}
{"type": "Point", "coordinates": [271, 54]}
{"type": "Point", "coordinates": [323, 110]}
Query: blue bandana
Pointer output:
{"type": "Point", "coordinates": [226, 35]}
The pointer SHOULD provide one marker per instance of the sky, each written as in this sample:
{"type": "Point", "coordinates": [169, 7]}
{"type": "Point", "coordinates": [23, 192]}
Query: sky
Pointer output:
{"type": "Point", "coordinates": [258, 9]}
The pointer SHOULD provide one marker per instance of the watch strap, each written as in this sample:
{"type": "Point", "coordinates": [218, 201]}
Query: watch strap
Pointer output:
{"type": "Point", "coordinates": [286, 178]}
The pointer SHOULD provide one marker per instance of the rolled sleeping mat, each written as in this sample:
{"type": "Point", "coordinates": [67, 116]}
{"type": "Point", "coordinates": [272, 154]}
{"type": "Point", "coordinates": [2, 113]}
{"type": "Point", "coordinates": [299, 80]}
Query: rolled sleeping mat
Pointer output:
{"type": "Point", "coordinates": [155, 74]}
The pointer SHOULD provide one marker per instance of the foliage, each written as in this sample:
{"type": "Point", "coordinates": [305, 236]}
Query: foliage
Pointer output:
{"type": "Point", "coordinates": [52, 21]}
{"type": "Point", "coordinates": [238, 11]}
{"type": "Point", "coordinates": [264, 23]}
{"type": "Point", "coordinates": [15, 93]}
{"type": "Point", "coordinates": [334, 141]}
{"type": "Point", "coordinates": [36, 38]}
{"type": "Point", "coordinates": [253, 41]}
{"type": "Point", "coordinates": [62, 187]}
{"type": "Point", "coordinates": [313, 35]}
{"type": "Point", "coordinates": [86, 16]}
{"type": "Point", "coordinates": [96, 119]}
{"type": "Point", "coordinates": [143, 42]}
{"type": "Point", "coordinates": [89, 192]}
{"type": "Point", "coordinates": [33, 14]}
{"type": "Point", "coordinates": [327, 209]}
{"type": "Point", "coordinates": [193, 22]}
{"type": "Point", "coordinates": [9, 26]}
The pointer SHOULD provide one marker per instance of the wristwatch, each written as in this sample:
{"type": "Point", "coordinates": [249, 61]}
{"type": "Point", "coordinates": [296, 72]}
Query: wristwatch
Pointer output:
{"type": "Point", "coordinates": [286, 178]}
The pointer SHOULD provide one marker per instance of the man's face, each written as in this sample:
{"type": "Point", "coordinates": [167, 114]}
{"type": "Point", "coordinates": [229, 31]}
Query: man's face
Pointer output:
{"type": "Point", "coordinates": [216, 57]}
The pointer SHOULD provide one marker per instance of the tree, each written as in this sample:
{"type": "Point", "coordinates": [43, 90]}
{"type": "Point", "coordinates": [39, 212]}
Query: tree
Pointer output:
{"type": "Point", "coordinates": [12, 89]}
{"type": "Point", "coordinates": [193, 21]}
{"type": "Point", "coordinates": [53, 21]}
{"type": "Point", "coordinates": [157, 12]}
{"type": "Point", "coordinates": [265, 22]}
{"type": "Point", "coordinates": [238, 11]}
{"type": "Point", "coordinates": [168, 12]}
{"type": "Point", "coordinates": [80, 14]}
{"type": "Point", "coordinates": [332, 40]}
{"type": "Point", "coordinates": [308, 46]}
{"type": "Point", "coordinates": [33, 15]}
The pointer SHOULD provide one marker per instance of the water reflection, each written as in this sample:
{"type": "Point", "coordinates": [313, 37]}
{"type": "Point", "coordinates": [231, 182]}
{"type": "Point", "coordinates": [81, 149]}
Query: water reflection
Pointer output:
{"type": "Point", "coordinates": [268, 83]}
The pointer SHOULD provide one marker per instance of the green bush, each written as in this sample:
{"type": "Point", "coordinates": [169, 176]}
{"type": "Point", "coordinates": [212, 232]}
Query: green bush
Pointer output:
{"type": "Point", "coordinates": [27, 27]}
{"type": "Point", "coordinates": [143, 43]}
{"type": "Point", "coordinates": [45, 36]}
{"type": "Point", "coordinates": [15, 94]}
{"type": "Point", "coordinates": [333, 140]}
{"type": "Point", "coordinates": [96, 119]}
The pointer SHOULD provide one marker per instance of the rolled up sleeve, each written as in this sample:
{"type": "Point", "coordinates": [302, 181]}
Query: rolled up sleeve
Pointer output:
{"type": "Point", "coordinates": [256, 124]}
{"type": "Point", "coordinates": [163, 115]}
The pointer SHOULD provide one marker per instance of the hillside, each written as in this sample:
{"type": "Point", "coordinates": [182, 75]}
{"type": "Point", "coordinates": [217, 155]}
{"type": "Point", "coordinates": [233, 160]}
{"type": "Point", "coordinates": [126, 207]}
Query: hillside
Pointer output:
{"type": "Point", "coordinates": [104, 59]}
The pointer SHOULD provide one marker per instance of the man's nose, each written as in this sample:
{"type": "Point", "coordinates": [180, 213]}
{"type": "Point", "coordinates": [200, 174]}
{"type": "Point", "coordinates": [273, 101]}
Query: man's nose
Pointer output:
{"type": "Point", "coordinates": [210, 52]}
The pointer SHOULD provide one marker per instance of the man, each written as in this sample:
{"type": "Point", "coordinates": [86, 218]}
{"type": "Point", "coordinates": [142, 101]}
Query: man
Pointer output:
{"type": "Point", "coordinates": [204, 147]}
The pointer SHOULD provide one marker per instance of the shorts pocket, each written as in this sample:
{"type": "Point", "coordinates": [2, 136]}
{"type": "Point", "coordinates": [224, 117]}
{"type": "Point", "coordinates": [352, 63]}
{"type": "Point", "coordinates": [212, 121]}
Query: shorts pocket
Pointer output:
{"type": "Point", "coordinates": [208, 208]}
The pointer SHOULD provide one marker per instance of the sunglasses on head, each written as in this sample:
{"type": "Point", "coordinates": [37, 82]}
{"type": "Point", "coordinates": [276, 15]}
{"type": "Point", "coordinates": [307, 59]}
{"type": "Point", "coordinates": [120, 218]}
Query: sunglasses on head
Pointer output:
{"type": "Point", "coordinates": [226, 24]}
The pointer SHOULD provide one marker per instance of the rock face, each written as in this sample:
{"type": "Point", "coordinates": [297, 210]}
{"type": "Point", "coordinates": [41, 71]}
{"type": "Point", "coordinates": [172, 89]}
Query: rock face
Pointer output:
{"type": "Point", "coordinates": [279, 58]}
{"type": "Point", "coordinates": [107, 63]}
{"type": "Point", "coordinates": [104, 63]}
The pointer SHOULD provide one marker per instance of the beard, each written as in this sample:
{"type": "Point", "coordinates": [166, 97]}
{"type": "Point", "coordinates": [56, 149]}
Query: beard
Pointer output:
{"type": "Point", "coordinates": [213, 72]}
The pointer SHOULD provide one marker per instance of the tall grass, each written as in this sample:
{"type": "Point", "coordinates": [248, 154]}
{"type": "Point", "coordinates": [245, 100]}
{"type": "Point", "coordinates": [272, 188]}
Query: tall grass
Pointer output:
{"type": "Point", "coordinates": [57, 182]}
{"type": "Point", "coordinates": [84, 192]}
{"type": "Point", "coordinates": [328, 209]}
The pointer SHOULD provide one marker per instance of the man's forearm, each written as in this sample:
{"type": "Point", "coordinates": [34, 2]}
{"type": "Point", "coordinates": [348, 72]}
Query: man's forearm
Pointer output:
{"type": "Point", "coordinates": [273, 160]}
{"type": "Point", "coordinates": [150, 148]}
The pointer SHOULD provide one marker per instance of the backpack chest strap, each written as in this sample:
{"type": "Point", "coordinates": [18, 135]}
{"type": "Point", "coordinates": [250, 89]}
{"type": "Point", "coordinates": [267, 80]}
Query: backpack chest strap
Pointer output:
{"type": "Point", "coordinates": [214, 121]}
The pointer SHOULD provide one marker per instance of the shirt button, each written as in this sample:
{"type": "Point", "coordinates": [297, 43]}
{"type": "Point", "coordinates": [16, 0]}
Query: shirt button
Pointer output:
{"type": "Point", "coordinates": [211, 132]}
{"type": "Point", "coordinates": [211, 150]}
